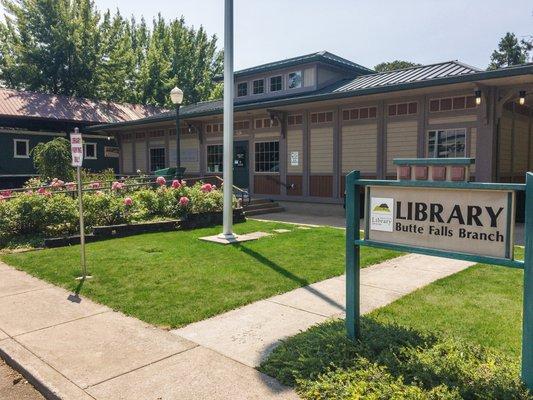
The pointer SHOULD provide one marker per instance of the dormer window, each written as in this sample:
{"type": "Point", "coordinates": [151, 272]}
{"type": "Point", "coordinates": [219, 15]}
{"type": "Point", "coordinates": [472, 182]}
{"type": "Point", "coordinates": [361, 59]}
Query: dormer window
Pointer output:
{"type": "Point", "coordinates": [259, 86]}
{"type": "Point", "coordinates": [295, 80]}
{"type": "Point", "coordinates": [242, 89]}
{"type": "Point", "coordinates": [276, 83]}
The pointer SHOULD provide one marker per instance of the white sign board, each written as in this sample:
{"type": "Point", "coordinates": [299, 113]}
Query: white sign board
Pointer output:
{"type": "Point", "coordinates": [76, 149]}
{"type": "Point", "coordinates": [294, 159]}
{"type": "Point", "coordinates": [111, 152]}
{"type": "Point", "coordinates": [467, 221]}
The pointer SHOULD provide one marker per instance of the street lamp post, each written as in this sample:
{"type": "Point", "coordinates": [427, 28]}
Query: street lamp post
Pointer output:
{"type": "Point", "coordinates": [176, 96]}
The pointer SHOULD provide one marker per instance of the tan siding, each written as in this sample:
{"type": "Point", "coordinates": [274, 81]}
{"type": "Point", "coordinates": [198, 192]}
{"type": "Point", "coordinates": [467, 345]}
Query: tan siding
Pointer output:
{"type": "Point", "coordinates": [453, 120]}
{"type": "Point", "coordinates": [140, 156]}
{"type": "Point", "coordinates": [359, 147]}
{"type": "Point", "coordinates": [521, 144]}
{"type": "Point", "coordinates": [189, 147]}
{"type": "Point", "coordinates": [127, 157]}
{"type": "Point", "coordinates": [505, 143]}
{"type": "Point", "coordinates": [295, 143]}
{"type": "Point", "coordinates": [274, 134]}
{"type": "Point", "coordinates": [321, 150]}
{"type": "Point", "coordinates": [401, 142]}
{"type": "Point", "coordinates": [309, 77]}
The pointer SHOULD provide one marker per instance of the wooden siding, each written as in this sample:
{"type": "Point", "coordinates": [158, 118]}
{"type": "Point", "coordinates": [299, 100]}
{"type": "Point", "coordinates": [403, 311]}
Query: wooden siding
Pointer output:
{"type": "Point", "coordinates": [321, 185]}
{"type": "Point", "coordinates": [321, 150]}
{"type": "Point", "coordinates": [297, 181]}
{"type": "Point", "coordinates": [266, 184]}
{"type": "Point", "coordinates": [473, 146]}
{"type": "Point", "coordinates": [359, 148]}
{"type": "Point", "coordinates": [140, 156]}
{"type": "Point", "coordinates": [127, 158]}
{"type": "Point", "coordinates": [189, 146]}
{"type": "Point", "coordinates": [401, 142]}
{"type": "Point", "coordinates": [504, 152]}
{"type": "Point", "coordinates": [295, 143]}
{"type": "Point", "coordinates": [453, 120]}
{"type": "Point", "coordinates": [521, 142]}
{"type": "Point", "coordinates": [309, 77]}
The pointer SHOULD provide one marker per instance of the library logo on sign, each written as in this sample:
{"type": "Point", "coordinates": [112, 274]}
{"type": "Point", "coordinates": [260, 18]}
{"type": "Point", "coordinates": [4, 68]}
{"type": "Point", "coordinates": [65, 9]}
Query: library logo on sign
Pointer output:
{"type": "Point", "coordinates": [381, 214]}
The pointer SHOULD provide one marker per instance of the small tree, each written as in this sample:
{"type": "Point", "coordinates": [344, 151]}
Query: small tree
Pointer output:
{"type": "Point", "coordinates": [52, 159]}
{"type": "Point", "coordinates": [510, 52]}
{"type": "Point", "coordinates": [394, 65]}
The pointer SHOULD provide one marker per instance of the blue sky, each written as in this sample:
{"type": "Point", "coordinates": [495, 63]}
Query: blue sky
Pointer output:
{"type": "Point", "coordinates": [366, 32]}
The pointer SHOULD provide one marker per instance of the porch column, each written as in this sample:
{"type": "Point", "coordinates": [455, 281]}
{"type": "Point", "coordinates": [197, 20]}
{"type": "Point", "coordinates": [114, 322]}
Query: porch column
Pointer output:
{"type": "Point", "coordinates": [487, 138]}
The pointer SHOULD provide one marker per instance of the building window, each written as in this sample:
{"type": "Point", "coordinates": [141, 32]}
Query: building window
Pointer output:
{"type": "Point", "coordinates": [322, 117]}
{"type": "Point", "coordinates": [21, 148]}
{"type": "Point", "coordinates": [89, 151]}
{"type": "Point", "coordinates": [403, 109]}
{"type": "Point", "coordinates": [242, 89]}
{"type": "Point", "coordinates": [452, 103]}
{"type": "Point", "coordinates": [214, 128]}
{"type": "Point", "coordinates": [447, 143]}
{"type": "Point", "coordinates": [259, 86]}
{"type": "Point", "coordinates": [240, 125]}
{"type": "Point", "coordinates": [215, 158]}
{"type": "Point", "coordinates": [267, 157]}
{"type": "Point", "coordinates": [295, 120]}
{"type": "Point", "coordinates": [295, 80]}
{"type": "Point", "coordinates": [157, 158]}
{"type": "Point", "coordinates": [276, 83]}
{"type": "Point", "coordinates": [266, 123]}
{"type": "Point", "coordinates": [359, 113]}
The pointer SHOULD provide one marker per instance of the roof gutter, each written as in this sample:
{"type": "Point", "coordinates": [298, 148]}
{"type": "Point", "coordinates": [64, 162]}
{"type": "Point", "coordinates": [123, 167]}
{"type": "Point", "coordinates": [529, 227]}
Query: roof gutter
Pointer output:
{"type": "Point", "coordinates": [478, 76]}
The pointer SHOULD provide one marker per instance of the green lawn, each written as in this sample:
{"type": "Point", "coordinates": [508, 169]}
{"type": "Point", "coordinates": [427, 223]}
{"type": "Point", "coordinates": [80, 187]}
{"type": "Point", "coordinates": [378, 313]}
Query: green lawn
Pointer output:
{"type": "Point", "coordinates": [172, 279]}
{"type": "Point", "coordinates": [458, 338]}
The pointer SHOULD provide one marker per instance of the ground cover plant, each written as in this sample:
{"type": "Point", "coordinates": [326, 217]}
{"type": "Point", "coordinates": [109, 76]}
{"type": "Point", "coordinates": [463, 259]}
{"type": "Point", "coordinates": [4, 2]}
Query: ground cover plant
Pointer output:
{"type": "Point", "coordinates": [171, 279]}
{"type": "Point", "coordinates": [458, 338]}
{"type": "Point", "coordinates": [52, 210]}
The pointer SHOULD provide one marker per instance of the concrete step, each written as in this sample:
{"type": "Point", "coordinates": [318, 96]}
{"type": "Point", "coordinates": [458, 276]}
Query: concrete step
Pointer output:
{"type": "Point", "coordinates": [264, 211]}
{"type": "Point", "coordinates": [258, 201]}
{"type": "Point", "coordinates": [261, 206]}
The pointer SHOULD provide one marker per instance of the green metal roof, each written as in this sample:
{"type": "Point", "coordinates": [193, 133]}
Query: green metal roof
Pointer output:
{"type": "Point", "coordinates": [411, 78]}
{"type": "Point", "coordinates": [321, 56]}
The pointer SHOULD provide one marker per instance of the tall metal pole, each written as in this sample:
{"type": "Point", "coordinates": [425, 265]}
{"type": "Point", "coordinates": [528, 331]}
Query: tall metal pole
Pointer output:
{"type": "Point", "coordinates": [228, 120]}
{"type": "Point", "coordinates": [82, 224]}
{"type": "Point", "coordinates": [178, 151]}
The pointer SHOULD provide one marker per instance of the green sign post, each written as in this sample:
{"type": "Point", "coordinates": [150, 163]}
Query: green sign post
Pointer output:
{"type": "Point", "coordinates": [455, 219]}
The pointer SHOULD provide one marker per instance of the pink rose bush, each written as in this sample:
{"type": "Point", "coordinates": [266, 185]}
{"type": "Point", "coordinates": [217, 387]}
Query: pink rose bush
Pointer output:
{"type": "Point", "coordinates": [116, 186]}
{"type": "Point", "coordinates": [71, 186]}
{"type": "Point", "coordinates": [95, 185]}
{"type": "Point", "coordinates": [184, 201]}
{"type": "Point", "coordinates": [207, 187]}
{"type": "Point", "coordinates": [161, 181]}
{"type": "Point", "coordinates": [176, 184]}
{"type": "Point", "coordinates": [128, 202]}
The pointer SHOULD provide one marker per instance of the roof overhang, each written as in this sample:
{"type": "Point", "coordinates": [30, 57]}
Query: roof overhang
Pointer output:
{"type": "Point", "coordinates": [484, 77]}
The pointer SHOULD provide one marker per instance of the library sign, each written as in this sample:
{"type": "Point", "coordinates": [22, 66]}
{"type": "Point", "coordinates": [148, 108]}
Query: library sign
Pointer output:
{"type": "Point", "coordinates": [467, 221]}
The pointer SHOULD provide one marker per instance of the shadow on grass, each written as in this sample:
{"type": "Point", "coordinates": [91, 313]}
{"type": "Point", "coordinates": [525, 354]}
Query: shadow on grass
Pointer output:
{"type": "Point", "coordinates": [282, 271]}
{"type": "Point", "coordinates": [322, 360]}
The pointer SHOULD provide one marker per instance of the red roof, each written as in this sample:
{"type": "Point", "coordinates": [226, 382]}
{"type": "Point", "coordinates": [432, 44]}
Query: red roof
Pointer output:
{"type": "Point", "coordinates": [14, 103]}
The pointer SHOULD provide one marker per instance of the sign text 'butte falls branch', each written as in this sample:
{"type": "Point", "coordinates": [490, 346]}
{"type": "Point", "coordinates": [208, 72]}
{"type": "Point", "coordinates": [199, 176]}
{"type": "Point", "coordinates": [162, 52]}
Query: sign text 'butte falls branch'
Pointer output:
{"type": "Point", "coordinates": [468, 221]}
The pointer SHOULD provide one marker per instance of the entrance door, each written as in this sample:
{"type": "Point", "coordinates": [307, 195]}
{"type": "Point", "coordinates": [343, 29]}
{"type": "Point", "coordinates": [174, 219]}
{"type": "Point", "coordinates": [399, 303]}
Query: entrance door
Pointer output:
{"type": "Point", "coordinates": [240, 164]}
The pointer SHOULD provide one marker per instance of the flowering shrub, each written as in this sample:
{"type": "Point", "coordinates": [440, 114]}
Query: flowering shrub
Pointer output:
{"type": "Point", "coordinates": [53, 210]}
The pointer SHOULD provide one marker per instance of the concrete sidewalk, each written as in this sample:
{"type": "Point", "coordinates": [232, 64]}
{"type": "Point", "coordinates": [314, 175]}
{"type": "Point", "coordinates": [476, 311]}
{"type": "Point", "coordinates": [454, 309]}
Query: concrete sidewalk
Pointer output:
{"type": "Point", "coordinates": [72, 348]}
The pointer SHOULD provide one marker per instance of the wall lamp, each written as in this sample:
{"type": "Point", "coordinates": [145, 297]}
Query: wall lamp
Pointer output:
{"type": "Point", "coordinates": [522, 97]}
{"type": "Point", "coordinates": [477, 93]}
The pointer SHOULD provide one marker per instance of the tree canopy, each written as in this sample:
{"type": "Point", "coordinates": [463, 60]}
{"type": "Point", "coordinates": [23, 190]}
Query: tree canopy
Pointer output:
{"type": "Point", "coordinates": [69, 47]}
{"type": "Point", "coordinates": [510, 51]}
{"type": "Point", "coordinates": [393, 65]}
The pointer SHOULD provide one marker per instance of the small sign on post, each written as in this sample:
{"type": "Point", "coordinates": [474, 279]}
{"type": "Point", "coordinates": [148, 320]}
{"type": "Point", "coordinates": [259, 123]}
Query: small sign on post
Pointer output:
{"type": "Point", "coordinates": [76, 149]}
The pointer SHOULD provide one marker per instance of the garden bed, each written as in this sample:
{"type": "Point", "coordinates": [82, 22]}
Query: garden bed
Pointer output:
{"type": "Point", "coordinates": [190, 221]}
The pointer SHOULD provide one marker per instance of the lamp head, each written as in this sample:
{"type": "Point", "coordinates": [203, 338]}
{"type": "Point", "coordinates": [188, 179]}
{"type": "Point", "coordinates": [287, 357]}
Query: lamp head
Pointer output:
{"type": "Point", "coordinates": [176, 96]}
{"type": "Point", "coordinates": [477, 93]}
{"type": "Point", "coordinates": [522, 97]}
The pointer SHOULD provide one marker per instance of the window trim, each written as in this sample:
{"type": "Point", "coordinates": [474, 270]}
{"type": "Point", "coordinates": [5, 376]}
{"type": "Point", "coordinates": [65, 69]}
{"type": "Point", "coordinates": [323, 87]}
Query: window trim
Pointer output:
{"type": "Point", "coordinates": [27, 142]}
{"type": "Point", "coordinates": [239, 84]}
{"type": "Point", "coordinates": [451, 98]}
{"type": "Point", "coordinates": [85, 144]}
{"type": "Point", "coordinates": [428, 155]}
{"type": "Point", "coordinates": [253, 86]}
{"type": "Point", "coordinates": [273, 140]}
{"type": "Point", "coordinates": [270, 83]}
{"type": "Point", "coordinates": [150, 156]}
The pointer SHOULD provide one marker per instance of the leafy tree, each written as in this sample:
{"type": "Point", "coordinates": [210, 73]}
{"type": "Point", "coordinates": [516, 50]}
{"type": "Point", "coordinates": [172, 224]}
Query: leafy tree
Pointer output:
{"type": "Point", "coordinates": [510, 52]}
{"type": "Point", "coordinates": [394, 65]}
{"type": "Point", "coordinates": [52, 159]}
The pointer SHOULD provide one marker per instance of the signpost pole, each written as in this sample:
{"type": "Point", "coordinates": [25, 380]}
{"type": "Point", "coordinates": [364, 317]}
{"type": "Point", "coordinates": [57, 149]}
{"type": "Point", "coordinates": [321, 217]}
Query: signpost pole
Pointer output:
{"type": "Point", "coordinates": [352, 256]}
{"type": "Point", "coordinates": [527, 335]}
{"type": "Point", "coordinates": [82, 224]}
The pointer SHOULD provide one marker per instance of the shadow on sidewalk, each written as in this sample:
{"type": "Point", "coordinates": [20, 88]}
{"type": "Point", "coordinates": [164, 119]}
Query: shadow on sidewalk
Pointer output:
{"type": "Point", "coordinates": [279, 269]}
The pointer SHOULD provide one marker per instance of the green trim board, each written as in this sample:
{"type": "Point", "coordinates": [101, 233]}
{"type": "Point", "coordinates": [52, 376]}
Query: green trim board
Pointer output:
{"type": "Point", "coordinates": [433, 161]}
{"type": "Point", "coordinates": [353, 243]}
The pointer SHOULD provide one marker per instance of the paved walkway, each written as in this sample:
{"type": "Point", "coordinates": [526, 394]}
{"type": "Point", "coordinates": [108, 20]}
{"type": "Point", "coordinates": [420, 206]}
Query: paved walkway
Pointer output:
{"type": "Point", "coordinates": [73, 348]}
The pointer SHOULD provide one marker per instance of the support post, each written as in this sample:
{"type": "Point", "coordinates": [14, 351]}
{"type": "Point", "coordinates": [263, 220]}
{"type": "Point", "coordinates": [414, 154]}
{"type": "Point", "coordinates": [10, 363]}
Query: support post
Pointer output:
{"type": "Point", "coordinates": [82, 224]}
{"type": "Point", "coordinates": [228, 121]}
{"type": "Point", "coordinates": [352, 256]}
{"type": "Point", "coordinates": [527, 335]}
